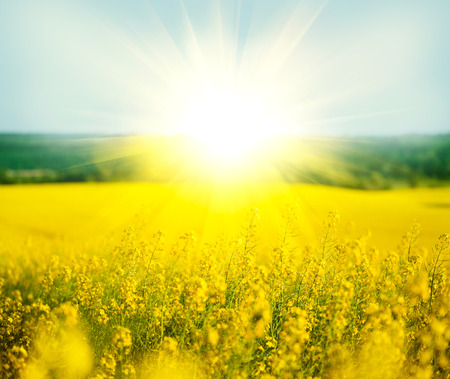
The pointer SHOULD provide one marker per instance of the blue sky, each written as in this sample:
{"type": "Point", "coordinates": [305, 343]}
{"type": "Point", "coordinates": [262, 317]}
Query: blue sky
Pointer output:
{"type": "Point", "coordinates": [342, 67]}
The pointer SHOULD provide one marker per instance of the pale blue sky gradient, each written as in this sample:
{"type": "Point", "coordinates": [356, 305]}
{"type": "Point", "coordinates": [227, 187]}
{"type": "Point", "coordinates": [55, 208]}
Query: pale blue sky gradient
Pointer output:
{"type": "Point", "coordinates": [102, 66]}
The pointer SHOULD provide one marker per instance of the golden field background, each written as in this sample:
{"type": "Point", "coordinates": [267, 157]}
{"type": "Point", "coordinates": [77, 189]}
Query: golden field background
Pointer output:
{"type": "Point", "coordinates": [90, 212]}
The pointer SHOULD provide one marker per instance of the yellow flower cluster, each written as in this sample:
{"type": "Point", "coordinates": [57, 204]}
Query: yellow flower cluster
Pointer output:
{"type": "Point", "coordinates": [148, 307]}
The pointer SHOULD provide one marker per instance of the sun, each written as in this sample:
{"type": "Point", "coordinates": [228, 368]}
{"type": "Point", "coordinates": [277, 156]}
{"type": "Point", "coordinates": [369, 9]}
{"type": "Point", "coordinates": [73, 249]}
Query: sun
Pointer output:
{"type": "Point", "coordinates": [228, 123]}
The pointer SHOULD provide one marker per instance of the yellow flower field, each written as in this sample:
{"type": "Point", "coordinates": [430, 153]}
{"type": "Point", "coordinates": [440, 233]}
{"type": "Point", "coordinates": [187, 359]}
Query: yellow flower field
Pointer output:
{"type": "Point", "coordinates": [223, 280]}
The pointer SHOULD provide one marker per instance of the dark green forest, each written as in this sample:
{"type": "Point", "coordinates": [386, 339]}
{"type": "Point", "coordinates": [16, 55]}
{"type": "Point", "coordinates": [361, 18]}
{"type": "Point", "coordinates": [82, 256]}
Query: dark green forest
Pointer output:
{"type": "Point", "coordinates": [368, 163]}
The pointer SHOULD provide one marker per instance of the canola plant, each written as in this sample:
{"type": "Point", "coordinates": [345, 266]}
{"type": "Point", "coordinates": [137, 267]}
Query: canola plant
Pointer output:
{"type": "Point", "coordinates": [157, 308]}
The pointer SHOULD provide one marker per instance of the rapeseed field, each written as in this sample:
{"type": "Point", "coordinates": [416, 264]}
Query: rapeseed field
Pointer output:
{"type": "Point", "coordinates": [214, 281]}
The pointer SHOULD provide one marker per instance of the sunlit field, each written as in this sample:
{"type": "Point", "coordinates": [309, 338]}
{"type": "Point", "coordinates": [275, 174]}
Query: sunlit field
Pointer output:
{"type": "Point", "coordinates": [224, 189]}
{"type": "Point", "coordinates": [126, 280]}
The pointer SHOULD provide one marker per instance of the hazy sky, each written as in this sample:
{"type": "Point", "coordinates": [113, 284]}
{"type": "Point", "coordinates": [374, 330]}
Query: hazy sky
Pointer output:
{"type": "Point", "coordinates": [340, 67]}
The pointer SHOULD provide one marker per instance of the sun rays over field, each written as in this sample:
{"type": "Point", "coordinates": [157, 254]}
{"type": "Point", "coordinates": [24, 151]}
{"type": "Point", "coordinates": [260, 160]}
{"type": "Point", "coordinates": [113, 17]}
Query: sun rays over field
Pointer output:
{"type": "Point", "coordinates": [220, 189]}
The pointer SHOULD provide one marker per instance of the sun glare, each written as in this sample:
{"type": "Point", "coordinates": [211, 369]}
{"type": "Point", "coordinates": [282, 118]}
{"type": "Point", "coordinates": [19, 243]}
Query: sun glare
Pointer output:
{"type": "Point", "coordinates": [229, 124]}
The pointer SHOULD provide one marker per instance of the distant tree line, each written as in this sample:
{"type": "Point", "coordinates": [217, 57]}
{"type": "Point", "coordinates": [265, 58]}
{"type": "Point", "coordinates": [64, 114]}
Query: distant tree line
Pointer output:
{"type": "Point", "coordinates": [369, 163]}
